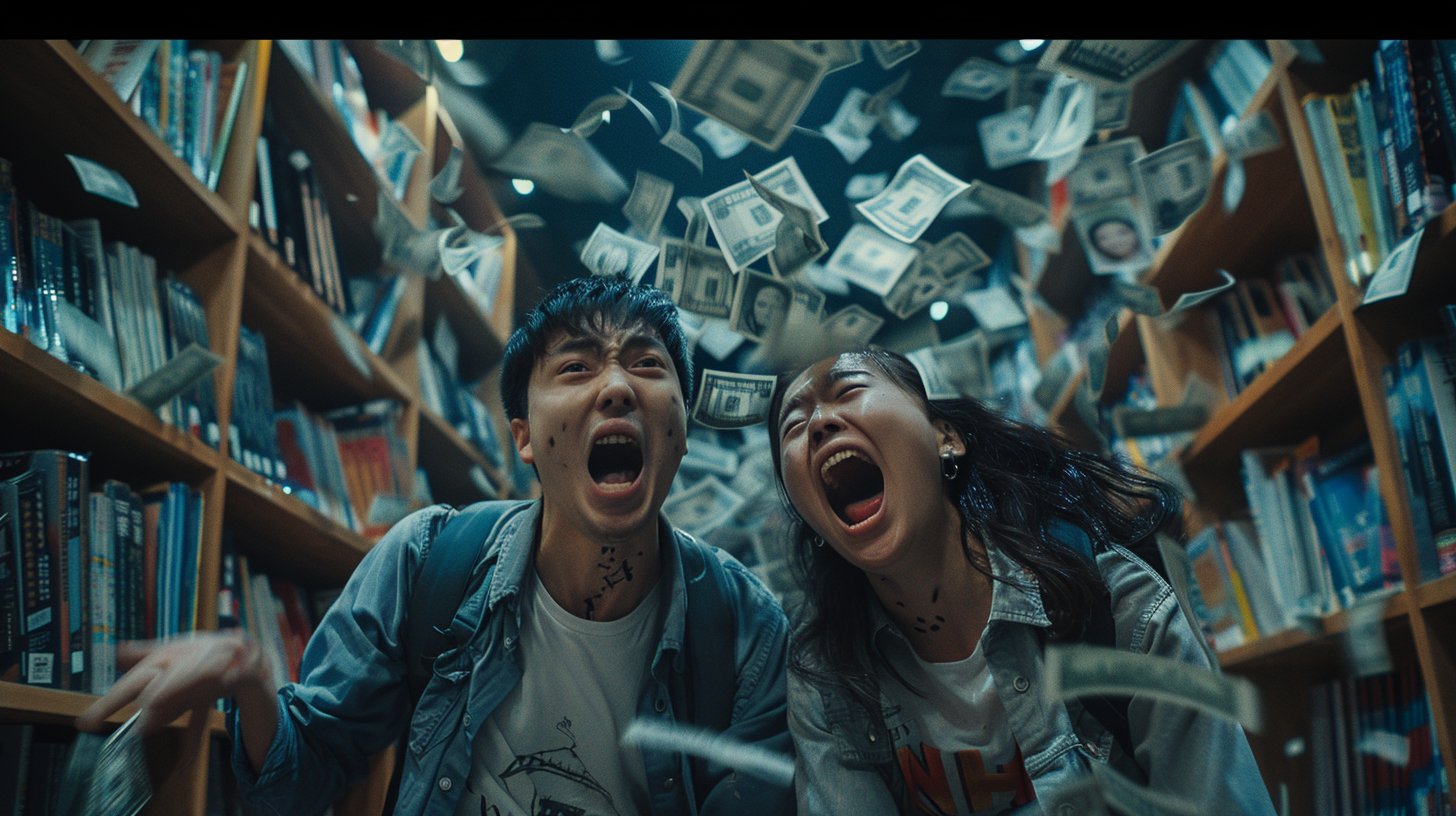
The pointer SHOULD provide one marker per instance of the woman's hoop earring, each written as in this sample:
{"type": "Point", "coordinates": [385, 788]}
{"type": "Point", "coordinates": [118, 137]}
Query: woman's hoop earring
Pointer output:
{"type": "Point", "coordinates": [949, 468]}
{"type": "Point", "coordinates": [817, 541]}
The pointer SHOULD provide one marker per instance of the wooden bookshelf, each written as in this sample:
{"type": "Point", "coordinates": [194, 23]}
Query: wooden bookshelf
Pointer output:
{"type": "Point", "coordinates": [56, 105]}
{"type": "Point", "coordinates": [1328, 384]}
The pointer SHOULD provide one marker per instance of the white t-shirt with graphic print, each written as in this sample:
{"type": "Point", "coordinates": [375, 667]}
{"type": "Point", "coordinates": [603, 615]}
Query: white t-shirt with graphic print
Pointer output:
{"type": "Point", "coordinates": [552, 746]}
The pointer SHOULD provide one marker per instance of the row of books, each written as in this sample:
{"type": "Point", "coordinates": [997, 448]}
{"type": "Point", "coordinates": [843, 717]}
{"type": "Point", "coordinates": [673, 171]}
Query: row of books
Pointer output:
{"type": "Point", "coordinates": [1421, 399]}
{"type": "Point", "coordinates": [453, 400]}
{"type": "Point", "coordinates": [1259, 319]}
{"type": "Point", "coordinates": [351, 464]}
{"type": "Point", "coordinates": [1323, 538]}
{"type": "Point", "coordinates": [291, 212]}
{"type": "Point", "coordinates": [1386, 148]}
{"type": "Point", "coordinates": [1373, 749]}
{"type": "Point", "coordinates": [281, 614]}
{"type": "Point", "coordinates": [188, 96]}
{"type": "Point", "coordinates": [81, 570]}
{"type": "Point", "coordinates": [101, 306]}
{"type": "Point", "coordinates": [388, 146]}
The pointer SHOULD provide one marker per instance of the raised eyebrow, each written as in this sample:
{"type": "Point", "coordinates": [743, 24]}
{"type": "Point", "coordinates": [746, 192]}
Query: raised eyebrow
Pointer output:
{"type": "Point", "coordinates": [802, 395]}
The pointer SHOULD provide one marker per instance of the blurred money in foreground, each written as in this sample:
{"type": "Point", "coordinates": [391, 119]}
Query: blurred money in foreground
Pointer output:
{"type": "Point", "coordinates": [564, 164]}
{"type": "Point", "coordinates": [727, 751]}
{"type": "Point", "coordinates": [106, 776]}
{"type": "Point", "coordinates": [1078, 670]}
{"type": "Point", "coordinates": [757, 87]}
{"type": "Point", "coordinates": [608, 252]}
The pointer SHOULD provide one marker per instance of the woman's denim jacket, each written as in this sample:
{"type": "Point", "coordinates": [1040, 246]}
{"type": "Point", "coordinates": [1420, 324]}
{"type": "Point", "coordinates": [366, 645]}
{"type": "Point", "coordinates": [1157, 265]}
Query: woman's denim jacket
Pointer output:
{"type": "Point", "coordinates": [846, 764]}
{"type": "Point", "coordinates": [352, 701]}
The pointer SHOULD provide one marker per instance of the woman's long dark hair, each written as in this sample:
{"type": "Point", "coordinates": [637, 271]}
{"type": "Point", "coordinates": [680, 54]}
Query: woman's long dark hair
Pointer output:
{"type": "Point", "coordinates": [1015, 482]}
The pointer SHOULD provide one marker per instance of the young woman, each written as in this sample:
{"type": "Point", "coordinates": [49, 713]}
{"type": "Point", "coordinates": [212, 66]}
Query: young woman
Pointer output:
{"type": "Point", "coordinates": [942, 547]}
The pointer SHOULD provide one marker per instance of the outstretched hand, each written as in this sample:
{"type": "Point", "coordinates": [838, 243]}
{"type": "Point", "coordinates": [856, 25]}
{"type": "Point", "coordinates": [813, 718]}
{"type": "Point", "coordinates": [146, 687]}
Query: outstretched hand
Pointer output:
{"type": "Point", "coordinates": [166, 679]}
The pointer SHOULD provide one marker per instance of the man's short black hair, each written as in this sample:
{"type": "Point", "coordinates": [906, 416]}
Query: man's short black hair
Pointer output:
{"type": "Point", "coordinates": [582, 305]}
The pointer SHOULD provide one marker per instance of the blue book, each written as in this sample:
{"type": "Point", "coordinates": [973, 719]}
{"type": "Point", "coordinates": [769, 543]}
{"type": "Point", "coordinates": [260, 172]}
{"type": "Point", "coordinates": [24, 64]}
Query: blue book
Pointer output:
{"type": "Point", "coordinates": [1430, 457]}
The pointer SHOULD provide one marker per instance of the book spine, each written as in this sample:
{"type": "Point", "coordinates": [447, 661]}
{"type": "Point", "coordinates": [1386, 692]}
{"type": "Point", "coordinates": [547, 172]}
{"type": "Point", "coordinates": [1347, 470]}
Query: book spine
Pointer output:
{"type": "Point", "coordinates": [78, 565]}
{"type": "Point", "coordinates": [1409, 151]}
{"type": "Point", "coordinates": [1439, 369]}
{"type": "Point", "coordinates": [41, 662]}
{"type": "Point", "coordinates": [1431, 116]}
{"type": "Point", "coordinates": [1430, 456]}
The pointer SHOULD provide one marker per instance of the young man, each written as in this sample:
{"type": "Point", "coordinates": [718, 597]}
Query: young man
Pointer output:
{"type": "Point", "coordinates": [576, 622]}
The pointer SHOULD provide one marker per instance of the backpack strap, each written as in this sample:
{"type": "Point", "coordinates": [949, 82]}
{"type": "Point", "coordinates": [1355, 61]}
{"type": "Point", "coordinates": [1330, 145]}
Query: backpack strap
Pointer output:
{"type": "Point", "coordinates": [439, 588]}
{"type": "Point", "coordinates": [705, 695]}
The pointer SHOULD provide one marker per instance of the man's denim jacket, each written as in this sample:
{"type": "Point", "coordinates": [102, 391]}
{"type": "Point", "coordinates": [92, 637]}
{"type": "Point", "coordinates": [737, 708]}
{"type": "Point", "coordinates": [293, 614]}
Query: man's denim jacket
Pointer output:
{"type": "Point", "coordinates": [352, 701]}
{"type": "Point", "coordinates": [846, 763]}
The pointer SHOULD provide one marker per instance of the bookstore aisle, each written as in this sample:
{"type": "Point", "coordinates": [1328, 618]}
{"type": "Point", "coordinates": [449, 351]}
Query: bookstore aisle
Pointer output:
{"type": "Point", "coordinates": [231, 361]}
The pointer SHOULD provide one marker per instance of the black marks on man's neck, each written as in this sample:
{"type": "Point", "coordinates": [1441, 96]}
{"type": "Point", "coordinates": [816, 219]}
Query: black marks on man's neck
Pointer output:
{"type": "Point", "coordinates": [551, 440]}
{"type": "Point", "coordinates": [935, 595]}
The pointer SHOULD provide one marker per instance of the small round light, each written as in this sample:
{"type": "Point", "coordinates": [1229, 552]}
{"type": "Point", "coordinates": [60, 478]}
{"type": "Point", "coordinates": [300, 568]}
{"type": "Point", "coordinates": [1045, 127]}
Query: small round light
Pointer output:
{"type": "Point", "coordinates": [939, 309]}
{"type": "Point", "coordinates": [1030, 45]}
{"type": "Point", "coordinates": [450, 50]}
{"type": "Point", "coordinates": [523, 186]}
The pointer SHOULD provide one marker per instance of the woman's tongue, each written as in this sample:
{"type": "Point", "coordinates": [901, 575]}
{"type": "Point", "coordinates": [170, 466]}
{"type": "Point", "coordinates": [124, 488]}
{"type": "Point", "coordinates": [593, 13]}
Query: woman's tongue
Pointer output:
{"type": "Point", "coordinates": [863, 509]}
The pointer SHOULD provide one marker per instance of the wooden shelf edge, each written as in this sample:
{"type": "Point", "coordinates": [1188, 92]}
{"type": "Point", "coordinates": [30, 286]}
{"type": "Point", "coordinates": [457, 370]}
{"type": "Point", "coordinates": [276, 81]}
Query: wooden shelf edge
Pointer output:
{"type": "Point", "coordinates": [1333, 625]}
{"type": "Point", "coordinates": [282, 286]}
{"type": "Point", "coordinates": [53, 705]}
{"type": "Point", "coordinates": [1321, 332]}
{"type": "Point", "coordinates": [1436, 592]}
{"type": "Point", "coordinates": [34, 365]}
{"type": "Point", "coordinates": [293, 506]}
{"type": "Point", "coordinates": [465, 447]}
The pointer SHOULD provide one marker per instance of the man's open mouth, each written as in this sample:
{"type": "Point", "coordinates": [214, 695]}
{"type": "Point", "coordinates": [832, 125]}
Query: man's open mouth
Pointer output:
{"type": "Point", "coordinates": [615, 462]}
{"type": "Point", "coordinates": [854, 486]}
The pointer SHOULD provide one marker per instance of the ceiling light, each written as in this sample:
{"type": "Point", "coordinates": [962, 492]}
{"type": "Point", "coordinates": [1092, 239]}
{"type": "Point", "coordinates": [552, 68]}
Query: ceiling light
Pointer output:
{"type": "Point", "coordinates": [939, 309]}
{"type": "Point", "coordinates": [523, 186]}
{"type": "Point", "coordinates": [1030, 45]}
{"type": "Point", "coordinates": [451, 50]}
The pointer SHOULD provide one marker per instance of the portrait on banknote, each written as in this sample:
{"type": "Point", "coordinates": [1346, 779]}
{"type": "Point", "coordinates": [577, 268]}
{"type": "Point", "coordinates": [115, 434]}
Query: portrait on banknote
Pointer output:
{"type": "Point", "coordinates": [760, 305]}
{"type": "Point", "coordinates": [1116, 237]}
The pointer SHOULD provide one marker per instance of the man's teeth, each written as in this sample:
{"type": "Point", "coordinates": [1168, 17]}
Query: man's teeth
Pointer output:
{"type": "Point", "coordinates": [615, 439]}
{"type": "Point", "coordinates": [831, 462]}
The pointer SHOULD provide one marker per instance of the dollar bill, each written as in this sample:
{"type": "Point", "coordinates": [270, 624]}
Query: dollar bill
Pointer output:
{"type": "Point", "coordinates": [744, 224]}
{"type": "Point", "coordinates": [1109, 62]}
{"type": "Point", "coordinates": [728, 399]}
{"type": "Point", "coordinates": [1366, 651]}
{"type": "Point", "coordinates": [100, 180]}
{"type": "Point", "coordinates": [994, 308]}
{"type": "Point", "coordinates": [835, 54]}
{"type": "Point", "coordinates": [916, 289]}
{"type": "Point", "coordinates": [563, 164]}
{"type": "Point", "coordinates": [1013, 210]}
{"type": "Point", "coordinates": [1006, 136]}
{"type": "Point", "coordinates": [1234, 183]}
{"type": "Point", "coordinates": [641, 108]}
{"type": "Point", "coordinates": [1391, 747]}
{"type": "Point", "coordinates": [865, 185]}
{"type": "Point", "coordinates": [1078, 670]}
{"type": "Point", "coordinates": [1104, 172]}
{"type": "Point", "coordinates": [889, 53]}
{"type": "Point", "coordinates": [770, 766]}
{"type": "Point", "coordinates": [180, 373]}
{"type": "Point", "coordinates": [673, 139]}
{"type": "Point", "coordinates": [695, 277]}
{"type": "Point", "coordinates": [871, 259]}
{"type": "Point", "coordinates": [1028, 87]}
{"type": "Point", "coordinates": [690, 206]}
{"type": "Point", "coordinates": [849, 328]}
{"type": "Point", "coordinates": [960, 368]}
{"type": "Point", "coordinates": [106, 775]}
{"type": "Point", "coordinates": [1174, 182]}
{"type": "Point", "coordinates": [608, 252]}
{"type": "Point", "coordinates": [896, 122]}
{"type": "Point", "coordinates": [757, 87]}
{"type": "Point", "coordinates": [724, 141]}
{"type": "Point", "coordinates": [1252, 135]}
{"type": "Point", "coordinates": [820, 278]}
{"type": "Point", "coordinates": [978, 79]}
{"type": "Point", "coordinates": [760, 305]}
{"type": "Point", "coordinates": [718, 339]}
{"type": "Point", "coordinates": [593, 115]}
{"type": "Point", "coordinates": [797, 241]}
{"type": "Point", "coordinates": [1128, 421]}
{"type": "Point", "coordinates": [876, 104]}
{"type": "Point", "coordinates": [445, 186]}
{"type": "Point", "coordinates": [849, 130]}
{"type": "Point", "coordinates": [955, 256]}
{"type": "Point", "coordinates": [915, 196]}
{"type": "Point", "coordinates": [703, 507]}
{"type": "Point", "coordinates": [1064, 119]}
{"type": "Point", "coordinates": [937, 384]}
{"type": "Point", "coordinates": [648, 203]}
{"type": "Point", "coordinates": [1115, 237]}
{"type": "Point", "coordinates": [1113, 108]}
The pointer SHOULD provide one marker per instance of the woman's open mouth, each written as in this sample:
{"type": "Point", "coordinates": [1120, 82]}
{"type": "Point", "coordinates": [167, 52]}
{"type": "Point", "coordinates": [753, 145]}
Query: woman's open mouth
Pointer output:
{"type": "Point", "coordinates": [854, 486]}
{"type": "Point", "coordinates": [615, 462]}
